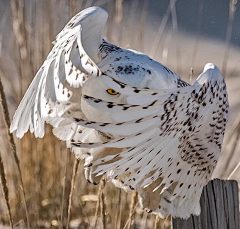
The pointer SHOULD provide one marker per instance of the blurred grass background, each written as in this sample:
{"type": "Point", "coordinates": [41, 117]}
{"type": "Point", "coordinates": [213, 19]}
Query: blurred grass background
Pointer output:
{"type": "Point", "coordinates": [183, 35]}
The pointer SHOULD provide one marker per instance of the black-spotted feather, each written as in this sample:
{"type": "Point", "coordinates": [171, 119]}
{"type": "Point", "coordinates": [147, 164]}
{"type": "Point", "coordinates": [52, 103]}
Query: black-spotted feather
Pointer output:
{"type": "Point", "coordinates": [121, 142]}
{"type": "Point", "coordinates": [47, 94]}
{"type": "Point", "coordinates": [124, 128]}
{"type": "Point", "coordinates": [189, 141]}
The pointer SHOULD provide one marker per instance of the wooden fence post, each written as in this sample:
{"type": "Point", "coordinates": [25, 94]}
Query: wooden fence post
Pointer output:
{"type": "Point", "coordinates": [219, 208]}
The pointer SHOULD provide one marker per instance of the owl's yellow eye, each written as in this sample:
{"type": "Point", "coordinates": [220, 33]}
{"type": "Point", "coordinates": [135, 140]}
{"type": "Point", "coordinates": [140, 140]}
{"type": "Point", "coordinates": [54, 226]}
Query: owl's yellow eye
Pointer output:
{"type": "Point", "coordinates": [112, 92]}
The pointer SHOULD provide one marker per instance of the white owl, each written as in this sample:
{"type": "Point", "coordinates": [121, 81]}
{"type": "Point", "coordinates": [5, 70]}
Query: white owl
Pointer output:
{"type": "Point", "coordinates": [133, 120]}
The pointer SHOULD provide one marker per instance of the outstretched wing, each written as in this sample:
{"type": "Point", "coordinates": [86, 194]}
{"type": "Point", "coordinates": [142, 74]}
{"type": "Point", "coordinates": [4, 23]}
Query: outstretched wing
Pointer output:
{"type": "Point", "coordinates": [69, 64]}
{"type": "Point", "coordinates": [174, 145]}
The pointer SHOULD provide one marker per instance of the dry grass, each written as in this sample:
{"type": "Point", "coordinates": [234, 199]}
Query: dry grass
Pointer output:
{"type": "Point", "coordinates": [196, 45]}
{"type": "Point", "coordinates": [5, 190]}
{"type": "Point", "coordinates": [156, 223]}
{"type": "Point", "coordinates": [133, 207]}
{"type": "Point", "coordinates": [102, 203]}
{"type": "Point", "coordinates": [12, 145]}
{"type": "Point", "coordinates": [75, 168]}
{"type": "Point", "coordinates": [161, 28]}
{"type": "Point", "coordinates": [232, 10]}
{"type": "Point", "coordinates": [56, 192]}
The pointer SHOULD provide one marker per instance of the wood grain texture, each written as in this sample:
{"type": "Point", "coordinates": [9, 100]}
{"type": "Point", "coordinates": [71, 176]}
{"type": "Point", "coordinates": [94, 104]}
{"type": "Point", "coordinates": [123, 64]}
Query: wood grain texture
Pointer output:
{"type": "Point", "coordinates": [219, 208]}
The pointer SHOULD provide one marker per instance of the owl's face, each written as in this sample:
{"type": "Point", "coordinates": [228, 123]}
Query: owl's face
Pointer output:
{"type": "Point", "coordinates": [94, 87]}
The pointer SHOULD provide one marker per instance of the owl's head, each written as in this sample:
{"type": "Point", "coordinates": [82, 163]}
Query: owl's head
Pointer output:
{"type": "Point", "coordinates": [96, 88]}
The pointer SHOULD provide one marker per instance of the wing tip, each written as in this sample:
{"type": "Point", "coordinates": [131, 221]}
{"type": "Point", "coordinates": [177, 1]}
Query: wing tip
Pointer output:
{"type": "Point", "coordinates": [212, 67]}
{"type": "Point", "coordinates": [12, 127]}
{"type": "Point", "coordinates": [94, 9]}
{"type": "Point", "coordinates": [210, 73]}
{"type": "Point", "coordinates": [209, 66]}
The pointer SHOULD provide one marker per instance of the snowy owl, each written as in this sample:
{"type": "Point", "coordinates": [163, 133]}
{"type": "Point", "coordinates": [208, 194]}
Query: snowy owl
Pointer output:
{"type": "Point", "coordinates": [132, 120]}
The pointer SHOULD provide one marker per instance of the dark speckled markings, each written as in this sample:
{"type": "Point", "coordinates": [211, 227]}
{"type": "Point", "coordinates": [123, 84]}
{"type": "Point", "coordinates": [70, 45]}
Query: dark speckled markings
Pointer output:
{"type": "Point", "coordinates": [129, 69]}
{"type": "Point", "coordinates": [106, 48]}
{"type": "Point", "coordinates": [182, 120]}
{"type": "Point", "coordinates": [181, 83]}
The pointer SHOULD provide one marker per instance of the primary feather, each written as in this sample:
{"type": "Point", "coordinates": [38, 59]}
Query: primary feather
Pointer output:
{"type": "Point", "coordinates": [157, 135]}
{"type": "Point", "coordinates": [184, 142]}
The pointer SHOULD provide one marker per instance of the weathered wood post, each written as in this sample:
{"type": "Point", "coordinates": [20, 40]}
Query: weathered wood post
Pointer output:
{"type": "Point", "coordinates": [219, 208]}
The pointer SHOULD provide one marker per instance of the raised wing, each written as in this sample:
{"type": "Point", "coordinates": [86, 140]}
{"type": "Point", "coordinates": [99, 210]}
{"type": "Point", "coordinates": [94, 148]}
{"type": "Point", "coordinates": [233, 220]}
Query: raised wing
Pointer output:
{"type": "Point", "coordinates": [173, 147]}
{"type": "Point", "coordinates": [69, 64]}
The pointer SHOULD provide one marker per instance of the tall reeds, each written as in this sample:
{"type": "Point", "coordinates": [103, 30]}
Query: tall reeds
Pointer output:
{"type": "Point", "coordinates": [6, 116]}
{"type": "Point", "coordinates": [197, 36]}
{"type": "Point", "coordinates": [102, 204]}
{"type": "Point", "coordinates": [232, 10]}
{"type": "Point", "coordinates": [132, 212]}
{"type": "Point", "coordinates": [161, 28]}
{"type": "Point", "coordinates": [5, 190]}
{"type": "Point", "coordinates": [74, 173]}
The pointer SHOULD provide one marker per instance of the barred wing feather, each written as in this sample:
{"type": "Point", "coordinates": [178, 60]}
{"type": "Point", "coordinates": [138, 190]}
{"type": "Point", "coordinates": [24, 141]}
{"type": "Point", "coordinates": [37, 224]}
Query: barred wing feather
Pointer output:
{"type": "Point", "coordinates": [174, 156]}
{"type": "Point", "coordinates": [69, 64]}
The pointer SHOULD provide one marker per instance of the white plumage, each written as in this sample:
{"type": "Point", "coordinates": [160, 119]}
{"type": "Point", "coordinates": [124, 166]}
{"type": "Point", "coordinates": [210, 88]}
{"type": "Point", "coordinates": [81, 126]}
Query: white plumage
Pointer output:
{"type": "Point", "coordinates": [133, 120]}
